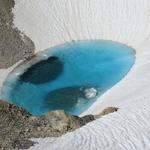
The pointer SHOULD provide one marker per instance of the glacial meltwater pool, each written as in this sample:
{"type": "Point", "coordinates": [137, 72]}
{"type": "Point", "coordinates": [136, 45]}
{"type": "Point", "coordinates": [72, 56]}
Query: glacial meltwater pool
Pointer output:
{"type": "Point", "coordinates": [69, 76]}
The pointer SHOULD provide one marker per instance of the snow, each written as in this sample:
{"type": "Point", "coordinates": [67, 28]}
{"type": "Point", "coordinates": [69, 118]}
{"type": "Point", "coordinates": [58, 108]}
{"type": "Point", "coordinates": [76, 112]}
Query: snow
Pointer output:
{"type": "Point", "coordinates": [90, 93]}
{"type": "Point", "coordinates": [52, 22]}
{"type": "Point", "coordinates": [4, 73]}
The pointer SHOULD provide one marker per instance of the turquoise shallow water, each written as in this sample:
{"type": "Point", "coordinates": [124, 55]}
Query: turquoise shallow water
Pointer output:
{"type": "Point", "coordinates": [60, 81]}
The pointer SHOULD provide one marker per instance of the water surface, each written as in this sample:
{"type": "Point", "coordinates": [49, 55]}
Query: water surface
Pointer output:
{"type": "Point", "coordinates": [63, 76]}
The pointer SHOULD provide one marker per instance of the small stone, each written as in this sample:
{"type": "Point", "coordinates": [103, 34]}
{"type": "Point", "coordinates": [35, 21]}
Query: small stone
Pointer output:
{"type": "Point", "coordinates": [27, 130]}
{"type": "Point", "coordinates": [38, 128]}
{"type": "Point", "coordinates": [23, 144]}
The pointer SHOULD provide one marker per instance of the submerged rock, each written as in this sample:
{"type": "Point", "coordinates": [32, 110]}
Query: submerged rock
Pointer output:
{"type": "Point", "coordinates": [17, 126]}
{"type": "Point", "coordinates": [66, 97]}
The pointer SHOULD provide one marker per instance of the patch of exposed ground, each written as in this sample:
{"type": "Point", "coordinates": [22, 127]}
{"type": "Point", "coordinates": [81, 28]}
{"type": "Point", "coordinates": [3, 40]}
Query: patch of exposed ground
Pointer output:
{"type": "Point", "coordinates": [17, 126]}
{"type": "Point", "coordinates": [14, 45]}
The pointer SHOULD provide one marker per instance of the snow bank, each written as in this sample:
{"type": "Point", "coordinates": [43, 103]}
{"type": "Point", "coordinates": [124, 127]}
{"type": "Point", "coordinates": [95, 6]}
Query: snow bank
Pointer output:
{"type": "Point", "coordinates": [52, 22]}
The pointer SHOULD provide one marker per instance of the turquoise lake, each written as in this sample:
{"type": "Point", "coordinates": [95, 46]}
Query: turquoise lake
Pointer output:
{"type": "Point", "coordinates": [67, 75]}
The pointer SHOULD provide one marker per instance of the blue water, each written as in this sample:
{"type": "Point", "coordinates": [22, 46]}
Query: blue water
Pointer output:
{"type": "Point", "coordinates": [58, 81]}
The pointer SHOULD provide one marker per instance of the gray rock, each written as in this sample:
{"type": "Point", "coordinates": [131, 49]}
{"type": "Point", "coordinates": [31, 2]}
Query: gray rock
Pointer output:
{"type": "Point", "coordinates": [90, 92]}
{"type": "Point", "coordinates": [17, 125]}
{"type": "Point", "coordinates": [106, 111]}
{"type": "Point", "coordinates": [88, 118]}
{"type": "Point", "coordinates": [23, 144]}
{"type": "Point", "coordinates": [14, 45]}
{"type": "Point", "coordinates": [13, 124]}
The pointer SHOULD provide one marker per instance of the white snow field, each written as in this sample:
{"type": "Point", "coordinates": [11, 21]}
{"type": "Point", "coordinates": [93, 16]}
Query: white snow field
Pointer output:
{"type": "Point", "coordinates": [52, 22]}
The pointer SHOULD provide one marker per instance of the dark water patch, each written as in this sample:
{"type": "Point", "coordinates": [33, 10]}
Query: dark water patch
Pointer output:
{"type": "Point", "coordinates": [66, 98]}
{"type": "Point", "coordinates": [43, 71]}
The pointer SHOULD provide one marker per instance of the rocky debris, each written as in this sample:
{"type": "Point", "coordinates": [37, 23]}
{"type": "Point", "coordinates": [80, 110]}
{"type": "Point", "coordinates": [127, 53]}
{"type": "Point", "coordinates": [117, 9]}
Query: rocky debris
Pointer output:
{"type": "Point", "coordinates": [17, 126]}
{"type": "Point", "coordinates": [68, 97]}
{"type": "Point", "coordinates": [23, 144]}
{"type": "Point", "coordinates": [14, 45]}
{"type": "Point", "coordinates": [51, 68]}
{"type": "Point", "coordinates": [13, 124]}
{"type": "Point", "coordinates": [88, 118]}
{"type": "Point", "coordinates": [56, 123]}
{"type": "Point", "coordinates": [106, 111]}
